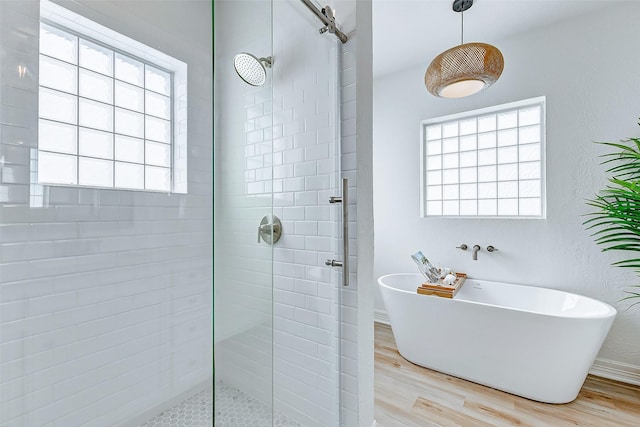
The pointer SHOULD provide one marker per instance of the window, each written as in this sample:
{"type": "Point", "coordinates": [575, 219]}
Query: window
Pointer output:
{"type": "Point", "coordinates": [108, 117]}
{"type": "Point", "coordinates": [485, 163]}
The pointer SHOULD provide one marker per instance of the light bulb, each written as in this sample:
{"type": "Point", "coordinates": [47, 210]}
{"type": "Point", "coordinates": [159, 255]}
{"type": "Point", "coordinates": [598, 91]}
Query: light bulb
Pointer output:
{"type": "Point", "coordinates": [462, 88]}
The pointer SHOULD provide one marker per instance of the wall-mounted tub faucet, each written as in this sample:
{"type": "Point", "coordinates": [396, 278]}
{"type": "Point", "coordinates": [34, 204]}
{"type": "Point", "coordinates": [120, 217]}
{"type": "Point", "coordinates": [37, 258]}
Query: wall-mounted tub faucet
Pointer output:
{"type": "Point", "coordinates": [476, 248]}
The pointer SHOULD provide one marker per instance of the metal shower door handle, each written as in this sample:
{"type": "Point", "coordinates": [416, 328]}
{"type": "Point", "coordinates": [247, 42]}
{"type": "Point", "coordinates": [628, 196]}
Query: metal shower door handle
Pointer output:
{"type": "Point", "coordinates": [344, 201]}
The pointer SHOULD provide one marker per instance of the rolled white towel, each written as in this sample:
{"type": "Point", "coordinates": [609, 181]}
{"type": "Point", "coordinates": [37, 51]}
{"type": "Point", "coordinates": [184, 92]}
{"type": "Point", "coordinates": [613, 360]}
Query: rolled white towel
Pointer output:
{"type": "Point", "coordinates": [449, 279]}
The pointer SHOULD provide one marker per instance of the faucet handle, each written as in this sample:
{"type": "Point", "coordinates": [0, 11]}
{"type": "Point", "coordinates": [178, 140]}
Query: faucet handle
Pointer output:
{"type": "Point", "coordinates": [491, 249]}
{"type": "Point", "coordinates": [462, 246]}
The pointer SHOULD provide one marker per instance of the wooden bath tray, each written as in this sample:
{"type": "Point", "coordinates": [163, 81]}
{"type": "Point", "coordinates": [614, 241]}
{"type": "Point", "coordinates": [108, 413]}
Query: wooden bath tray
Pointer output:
{"type": "Point", "coordinates": [442, 290]}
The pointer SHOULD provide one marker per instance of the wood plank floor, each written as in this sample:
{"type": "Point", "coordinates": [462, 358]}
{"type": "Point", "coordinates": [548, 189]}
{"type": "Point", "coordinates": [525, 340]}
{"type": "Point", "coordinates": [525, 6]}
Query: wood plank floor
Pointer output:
{"type": "Point", "coordinates": [410, 395]}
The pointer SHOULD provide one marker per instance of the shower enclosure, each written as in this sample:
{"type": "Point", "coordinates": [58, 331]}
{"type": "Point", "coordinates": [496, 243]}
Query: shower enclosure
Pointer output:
{"type": "Point", "coordinates": [281, 274]}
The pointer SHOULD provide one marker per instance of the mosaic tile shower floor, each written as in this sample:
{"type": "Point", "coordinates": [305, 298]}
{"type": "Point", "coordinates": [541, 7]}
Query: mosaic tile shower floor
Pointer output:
{"type": "Point", "coordinates": [236, 409]}
{"type": "Point", "coordinates": [197, 411]}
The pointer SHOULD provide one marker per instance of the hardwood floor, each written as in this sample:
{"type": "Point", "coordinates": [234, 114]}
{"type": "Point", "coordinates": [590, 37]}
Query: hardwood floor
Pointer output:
{"type": "Point", "coordinates": [410, 395]}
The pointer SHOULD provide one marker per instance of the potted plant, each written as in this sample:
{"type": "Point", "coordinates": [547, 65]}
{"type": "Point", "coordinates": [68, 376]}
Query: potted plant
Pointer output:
{"type": "Point", "coordinates": [616, 220]}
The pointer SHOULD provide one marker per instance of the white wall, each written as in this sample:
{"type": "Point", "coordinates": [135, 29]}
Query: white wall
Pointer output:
{"type": "Point", "coordinates": [587, 69]}
{"type": "Point", "coordinates": [105, 295]}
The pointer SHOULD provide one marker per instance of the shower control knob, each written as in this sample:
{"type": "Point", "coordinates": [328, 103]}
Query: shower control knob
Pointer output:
{"type": "Point", "coordinates": [462, 246]}
{"type": "Point", "coordinates": [491, 249]}
{"type": "Point", "coordinates": [270, 229]}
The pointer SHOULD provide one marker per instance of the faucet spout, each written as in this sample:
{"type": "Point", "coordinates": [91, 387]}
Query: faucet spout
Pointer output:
{"type": "Point", "coordinates": [476, 248]}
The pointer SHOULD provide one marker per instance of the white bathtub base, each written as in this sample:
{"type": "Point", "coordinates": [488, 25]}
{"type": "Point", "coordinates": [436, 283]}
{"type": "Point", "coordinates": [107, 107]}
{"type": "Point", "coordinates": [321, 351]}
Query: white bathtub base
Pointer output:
{"type": "Point", "coordinates": [603, 368]}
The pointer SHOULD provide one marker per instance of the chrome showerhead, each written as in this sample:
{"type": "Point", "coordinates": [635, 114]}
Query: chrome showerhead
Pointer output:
{"type": "Point", "coordinates": [251, 69]}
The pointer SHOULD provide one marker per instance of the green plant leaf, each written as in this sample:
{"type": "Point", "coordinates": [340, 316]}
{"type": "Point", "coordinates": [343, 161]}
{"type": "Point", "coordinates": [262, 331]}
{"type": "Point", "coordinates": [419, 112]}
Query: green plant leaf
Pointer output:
{"type": "Point", "coordinates": [615, 221]}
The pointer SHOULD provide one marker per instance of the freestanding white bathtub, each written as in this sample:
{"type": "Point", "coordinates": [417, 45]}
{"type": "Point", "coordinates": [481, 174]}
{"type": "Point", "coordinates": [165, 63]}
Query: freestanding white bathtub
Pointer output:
{"type": "Point", "coordinates": [533, 342]}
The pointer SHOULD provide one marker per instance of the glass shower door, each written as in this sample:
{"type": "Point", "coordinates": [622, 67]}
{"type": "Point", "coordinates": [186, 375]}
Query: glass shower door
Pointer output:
{"type": "Point", "coordinates": [306, 170]}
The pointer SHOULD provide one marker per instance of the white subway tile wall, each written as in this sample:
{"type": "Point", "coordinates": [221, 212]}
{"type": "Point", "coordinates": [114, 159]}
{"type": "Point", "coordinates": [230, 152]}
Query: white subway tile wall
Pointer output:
{"type": "Point", "coordinates": [105, 295]}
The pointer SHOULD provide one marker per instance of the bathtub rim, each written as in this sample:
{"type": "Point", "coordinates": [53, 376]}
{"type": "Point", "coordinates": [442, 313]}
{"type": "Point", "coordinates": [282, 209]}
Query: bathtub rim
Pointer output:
{"type": "Point", "coordinates": [611, 311]}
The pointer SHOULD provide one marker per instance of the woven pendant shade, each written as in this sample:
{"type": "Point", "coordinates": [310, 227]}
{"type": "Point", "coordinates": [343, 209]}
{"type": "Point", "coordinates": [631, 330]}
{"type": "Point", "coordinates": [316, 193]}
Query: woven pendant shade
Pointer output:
{"type": "Point", "coordinates": [464, 70]}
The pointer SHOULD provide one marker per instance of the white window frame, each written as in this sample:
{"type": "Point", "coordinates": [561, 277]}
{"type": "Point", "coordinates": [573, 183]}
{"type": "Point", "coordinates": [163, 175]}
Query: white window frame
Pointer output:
{"type": "Point", "coordinates": [58, 16]}
{"type": "Point", "coordinates": [538, 101]}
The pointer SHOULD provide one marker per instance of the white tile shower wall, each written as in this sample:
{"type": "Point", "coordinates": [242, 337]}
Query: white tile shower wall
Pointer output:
{"type": "Point", "coordinates": [105, 295]}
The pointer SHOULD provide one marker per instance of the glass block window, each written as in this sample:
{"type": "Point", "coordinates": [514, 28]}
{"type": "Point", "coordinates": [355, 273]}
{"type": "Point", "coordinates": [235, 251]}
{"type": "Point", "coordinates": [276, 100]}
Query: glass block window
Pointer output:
{"type": "Point", "coordinates": [485, 163]}
{"type": "Point", "coordinates": [105, 116]}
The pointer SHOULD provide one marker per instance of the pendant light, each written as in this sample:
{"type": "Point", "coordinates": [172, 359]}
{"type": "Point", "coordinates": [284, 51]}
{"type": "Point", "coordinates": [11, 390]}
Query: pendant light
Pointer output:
{"type": "Point", "coordinates": [465, 69]}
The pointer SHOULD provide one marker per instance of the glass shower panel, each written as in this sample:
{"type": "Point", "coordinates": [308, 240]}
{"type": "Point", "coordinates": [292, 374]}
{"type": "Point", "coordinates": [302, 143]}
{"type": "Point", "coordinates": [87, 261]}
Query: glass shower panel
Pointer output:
{"type": "Point", "coordinates": [243, 172]}
{"type": "Point", "coordinates": [105, 293]}
{"type": "Point", "coordinates": [277, 307]}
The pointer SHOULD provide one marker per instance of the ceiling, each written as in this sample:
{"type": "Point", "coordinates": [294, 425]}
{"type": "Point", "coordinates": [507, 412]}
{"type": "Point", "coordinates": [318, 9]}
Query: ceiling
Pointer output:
{"type": "Point", "coordinates": [412, 32]}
